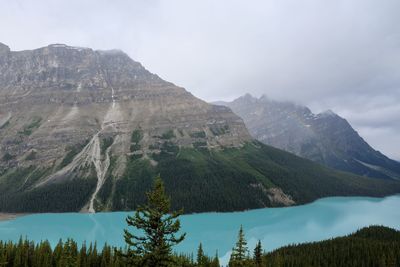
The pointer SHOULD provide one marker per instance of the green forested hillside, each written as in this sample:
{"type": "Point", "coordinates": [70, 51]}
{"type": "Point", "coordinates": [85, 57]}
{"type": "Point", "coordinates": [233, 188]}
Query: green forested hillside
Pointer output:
{"type": "Point", "coordinates": [236, 179]}
{"type": "Point", "coordinates": [197, 179]}
{"type": "Point", "coordinates": [372, 246]}
{"type": "Point", "coordinates": [17, 193]}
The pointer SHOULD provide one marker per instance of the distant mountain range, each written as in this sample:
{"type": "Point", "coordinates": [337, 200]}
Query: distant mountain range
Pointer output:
{"type": "Point", "coordinates": [86, 130]}
{"type": "Point", "coordinates": [324, 138]}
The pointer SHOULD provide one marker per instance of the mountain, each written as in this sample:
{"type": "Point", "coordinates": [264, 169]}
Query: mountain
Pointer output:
{"type": "Point", "coordinates": [324, 138]}
{"type": "Point", "coordinates": [86, 130]}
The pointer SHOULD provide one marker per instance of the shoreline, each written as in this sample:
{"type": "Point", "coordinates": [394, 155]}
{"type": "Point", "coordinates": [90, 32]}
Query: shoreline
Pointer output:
{"type": "Point", "coordinates": [10, 216]}
{"type": "Point", "coordinates": [4, 216]}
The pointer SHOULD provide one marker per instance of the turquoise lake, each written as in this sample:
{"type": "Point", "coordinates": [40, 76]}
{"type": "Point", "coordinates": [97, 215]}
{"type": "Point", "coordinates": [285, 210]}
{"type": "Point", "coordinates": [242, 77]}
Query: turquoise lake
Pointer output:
{"type": "Point", "coordinates": [275, 227]}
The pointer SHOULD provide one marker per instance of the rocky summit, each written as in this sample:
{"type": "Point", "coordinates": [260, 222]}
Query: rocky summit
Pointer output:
{"type": "Point", "coordinates": [86, 130]}
{"type": "Point", "coordinates": [325, 137]}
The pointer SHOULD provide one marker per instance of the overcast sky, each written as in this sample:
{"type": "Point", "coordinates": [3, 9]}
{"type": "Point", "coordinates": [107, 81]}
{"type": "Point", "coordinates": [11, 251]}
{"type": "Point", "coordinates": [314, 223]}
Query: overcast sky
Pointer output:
{"type": "Point", "coordinates": [342, 55]}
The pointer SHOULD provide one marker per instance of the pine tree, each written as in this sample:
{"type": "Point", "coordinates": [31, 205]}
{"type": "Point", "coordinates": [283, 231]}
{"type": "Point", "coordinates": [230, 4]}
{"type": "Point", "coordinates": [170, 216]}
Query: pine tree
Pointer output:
{"type": "Point", "coordinates": [105, 256]}
{"type": "Point", "coordinates": [69, 254]}
{"type": "Point", "coordinates": [44, 256]}
{"type": "Point", "coordinates": [3, 260]}
{"type": "Point", "coordinates": [258, 254]}
{"type": "Point", "coordinates": [201, 258]}
{"type": "Point", "coordinates": [215, 261]}
{"type": "Point", "coordinates": [159, 226]}
{"type": "Point", "coordinates": [19, 254]}
{"type": "Point", "coordinates": [239, 252]}
{"type": "Point", "coordinates": [93, 257]}
{"type": "Point", "coordinates": [82, 256]}
{"type": "Point", "coordinates": [57, 253]}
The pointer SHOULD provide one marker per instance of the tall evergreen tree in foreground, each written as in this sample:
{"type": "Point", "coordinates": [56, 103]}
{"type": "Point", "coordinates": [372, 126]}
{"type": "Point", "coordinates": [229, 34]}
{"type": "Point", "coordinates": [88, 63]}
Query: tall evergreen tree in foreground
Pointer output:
{"type": "Point", "coordinates": [240, 251]}
{"type": "Point", "coordinates": [159, 228]}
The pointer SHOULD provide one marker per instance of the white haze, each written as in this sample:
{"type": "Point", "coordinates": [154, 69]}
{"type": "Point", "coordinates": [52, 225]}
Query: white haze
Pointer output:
{"type": "Point", "coordinates": [336, 54]}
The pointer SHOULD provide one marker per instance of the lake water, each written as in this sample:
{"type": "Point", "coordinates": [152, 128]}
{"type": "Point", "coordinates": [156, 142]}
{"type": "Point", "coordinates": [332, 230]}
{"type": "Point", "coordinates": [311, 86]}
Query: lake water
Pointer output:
{"type": "Point", "coordinates": [275, 227]}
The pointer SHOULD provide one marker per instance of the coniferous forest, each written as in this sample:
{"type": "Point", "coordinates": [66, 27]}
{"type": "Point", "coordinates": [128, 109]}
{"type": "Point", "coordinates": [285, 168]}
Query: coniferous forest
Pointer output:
{"type": "Point", "coordinates": [374, 246]}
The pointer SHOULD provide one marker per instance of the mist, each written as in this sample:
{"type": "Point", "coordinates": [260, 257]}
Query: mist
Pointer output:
{"type": "Point", "coordinates": [340, 55]}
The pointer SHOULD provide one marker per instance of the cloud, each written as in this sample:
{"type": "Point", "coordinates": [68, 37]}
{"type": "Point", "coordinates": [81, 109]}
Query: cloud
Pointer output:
{"type": "Point", "coordinates": [341, 55]}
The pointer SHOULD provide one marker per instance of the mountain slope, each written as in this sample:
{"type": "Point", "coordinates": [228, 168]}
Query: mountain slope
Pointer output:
{"type": "Point", "coordinates": [325, 138]}
{"type": "Point", "coordinates": [88, 130]}
{"type": "Point", "coordinates": [369, 246]}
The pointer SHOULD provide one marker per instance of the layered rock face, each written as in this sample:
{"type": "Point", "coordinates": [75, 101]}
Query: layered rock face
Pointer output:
{"type": "Point", "coordinates": [325, 138]}
{"type": "Point", "coordinates": [59, 99]}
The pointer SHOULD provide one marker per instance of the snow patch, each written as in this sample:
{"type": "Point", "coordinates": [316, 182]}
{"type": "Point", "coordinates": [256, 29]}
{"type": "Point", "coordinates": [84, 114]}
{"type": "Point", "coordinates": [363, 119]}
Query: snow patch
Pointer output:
{"type": "Point", "coordinates": [68, 47]}
{"type": "Point", "coordinates": [327, 113]}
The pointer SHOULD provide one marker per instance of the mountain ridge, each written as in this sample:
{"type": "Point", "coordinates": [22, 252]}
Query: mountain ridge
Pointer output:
{"type": "Point", "coordinates": [325, 137]}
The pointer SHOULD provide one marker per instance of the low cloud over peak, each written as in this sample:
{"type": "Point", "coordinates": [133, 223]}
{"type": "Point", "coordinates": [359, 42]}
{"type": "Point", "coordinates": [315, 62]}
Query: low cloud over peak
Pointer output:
{"type": "Point", "coordinates": [340, 55]}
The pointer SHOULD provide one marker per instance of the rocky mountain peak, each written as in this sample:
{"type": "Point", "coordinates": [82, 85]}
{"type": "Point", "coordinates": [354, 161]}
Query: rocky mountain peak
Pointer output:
{"type": "Point", "coordinates": [76, 70]}
{"type": "Point", "coordinates": [247, 97]}
{"type": "Point", "coordinates": [67, 95]}
{"type": "Point", "coordinates": [325, 137]}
